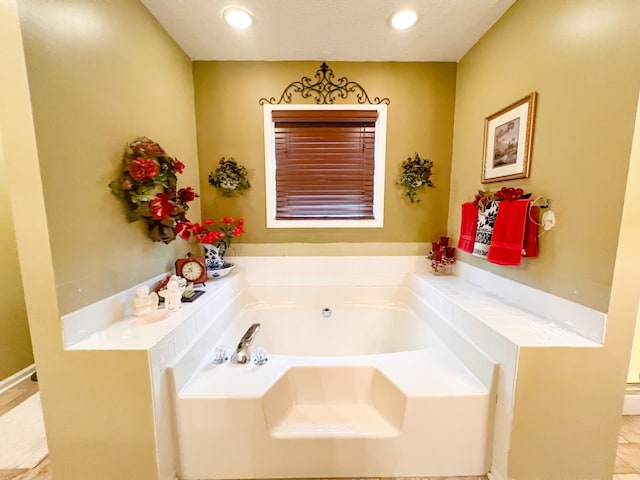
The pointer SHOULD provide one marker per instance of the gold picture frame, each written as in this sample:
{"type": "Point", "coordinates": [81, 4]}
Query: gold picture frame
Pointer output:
{"type": "Point", "coordinates": [508, 141]}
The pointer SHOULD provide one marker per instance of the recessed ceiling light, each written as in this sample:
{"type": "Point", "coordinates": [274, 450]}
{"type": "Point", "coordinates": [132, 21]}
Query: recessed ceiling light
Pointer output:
{"type": "Point", "coordinates": [404, 19]}
{"type": "Point", "coordinates": [237, 17]}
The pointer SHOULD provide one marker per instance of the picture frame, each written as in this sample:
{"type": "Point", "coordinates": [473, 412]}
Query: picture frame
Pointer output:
{"type": "Point", "coordinates": [508, 141]}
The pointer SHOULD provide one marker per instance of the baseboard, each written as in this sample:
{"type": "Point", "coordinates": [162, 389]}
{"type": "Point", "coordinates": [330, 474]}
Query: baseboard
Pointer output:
{"type": "Point", "coordinates": [631, 404]}
{"type": "Point", "coordinates": [491, 475]}
{"type": "Point", "coordinates": [16, 378]}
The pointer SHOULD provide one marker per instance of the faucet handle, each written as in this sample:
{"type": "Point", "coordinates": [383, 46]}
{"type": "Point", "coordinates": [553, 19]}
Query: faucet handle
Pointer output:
{"type": "Point", "coordinates": [260, 356]}
{"type": "Point", "coordinates": [220, 354]}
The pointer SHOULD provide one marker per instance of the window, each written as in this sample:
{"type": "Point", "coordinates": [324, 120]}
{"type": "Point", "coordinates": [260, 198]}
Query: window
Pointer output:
{"type": "Point", "coordinates": [324, 165]}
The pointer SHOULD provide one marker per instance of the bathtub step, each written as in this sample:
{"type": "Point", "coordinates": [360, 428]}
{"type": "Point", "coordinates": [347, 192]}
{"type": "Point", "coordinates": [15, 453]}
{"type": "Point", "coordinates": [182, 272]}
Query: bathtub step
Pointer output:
{"type": "Point", "coordinates": [331, 421]}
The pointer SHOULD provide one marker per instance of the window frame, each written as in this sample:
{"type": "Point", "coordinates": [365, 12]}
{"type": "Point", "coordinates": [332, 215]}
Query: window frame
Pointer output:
{"type": "Point", "coordinates": [378, 174]}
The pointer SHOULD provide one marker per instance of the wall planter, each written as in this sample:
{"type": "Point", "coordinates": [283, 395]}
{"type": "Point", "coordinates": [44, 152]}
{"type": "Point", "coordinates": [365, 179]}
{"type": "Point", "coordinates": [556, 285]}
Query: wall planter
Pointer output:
{"type": "Point", "coordinates": [230, 177]}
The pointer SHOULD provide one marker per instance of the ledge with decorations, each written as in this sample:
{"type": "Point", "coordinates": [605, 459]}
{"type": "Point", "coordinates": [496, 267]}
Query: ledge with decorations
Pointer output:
{"type": "Point", "coordinates": [147, 185]}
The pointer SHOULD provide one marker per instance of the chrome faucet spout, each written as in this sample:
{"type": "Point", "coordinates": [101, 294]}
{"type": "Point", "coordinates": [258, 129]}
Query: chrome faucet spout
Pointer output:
{"type": "Point", "coordinates": [241, 355]}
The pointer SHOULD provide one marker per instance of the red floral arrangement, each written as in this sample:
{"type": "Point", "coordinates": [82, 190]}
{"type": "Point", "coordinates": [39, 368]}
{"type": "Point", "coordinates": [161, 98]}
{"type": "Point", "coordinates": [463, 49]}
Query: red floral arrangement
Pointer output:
{"type": "Point", "coordinates": [442, 256]}
{"type": "Point", "coordinates": [148, 185]}
{"type": "Point", "coordinates": [212, 232]}
{"type": "Point", "coordinates": [483, 197]}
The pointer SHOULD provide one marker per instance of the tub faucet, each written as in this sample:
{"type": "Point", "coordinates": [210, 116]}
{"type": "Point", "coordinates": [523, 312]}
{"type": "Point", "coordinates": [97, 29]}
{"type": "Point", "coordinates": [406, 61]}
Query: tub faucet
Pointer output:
{"type": "Point", "coordinates": [241, 355]}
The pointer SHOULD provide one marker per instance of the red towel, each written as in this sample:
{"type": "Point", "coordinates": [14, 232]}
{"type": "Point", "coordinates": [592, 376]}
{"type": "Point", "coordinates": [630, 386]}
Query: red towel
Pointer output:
{"type": "Point", "coordinates": [468, 227]}
{"type": "Point", "coordinates": [530, 248]}
{"type": "Point", "coordinates": [508, 233]}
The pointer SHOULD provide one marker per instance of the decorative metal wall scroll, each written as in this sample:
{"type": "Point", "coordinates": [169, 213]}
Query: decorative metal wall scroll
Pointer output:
{"type": "Point", "coordinates": [325, 90]}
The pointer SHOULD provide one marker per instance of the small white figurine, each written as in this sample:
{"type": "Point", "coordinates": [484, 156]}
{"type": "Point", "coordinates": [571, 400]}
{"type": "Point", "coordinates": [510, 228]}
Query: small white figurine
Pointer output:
{"type": "Point", "coordinates": [172, 295]}
{"type": "Point", "coordinates": [182, 282]}
{"type": "Point", "coordinates": [144, 303]}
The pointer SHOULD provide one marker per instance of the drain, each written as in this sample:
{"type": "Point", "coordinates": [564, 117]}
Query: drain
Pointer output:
{"type": "Point", "coordinates": [326, 312]}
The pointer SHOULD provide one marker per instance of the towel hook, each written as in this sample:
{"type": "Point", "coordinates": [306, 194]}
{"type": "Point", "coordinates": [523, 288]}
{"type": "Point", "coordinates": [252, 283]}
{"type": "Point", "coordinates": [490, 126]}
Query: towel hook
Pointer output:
{"type": "Point", "coordinates": [545, 202]}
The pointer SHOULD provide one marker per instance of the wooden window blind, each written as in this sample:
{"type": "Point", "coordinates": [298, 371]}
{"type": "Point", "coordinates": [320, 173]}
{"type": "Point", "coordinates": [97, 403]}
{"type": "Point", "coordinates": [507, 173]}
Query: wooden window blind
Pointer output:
{"type": "Point", "coordinates": [324, 164]}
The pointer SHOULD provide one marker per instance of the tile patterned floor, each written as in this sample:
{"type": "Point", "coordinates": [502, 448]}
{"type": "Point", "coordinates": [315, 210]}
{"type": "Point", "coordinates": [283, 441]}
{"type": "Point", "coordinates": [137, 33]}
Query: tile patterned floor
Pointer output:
{"type": "Point", "coordinates": [8, 400]}
{"type": "Point", "coordinates": [39, 472]}
{"type": "Point", "coordinates": [627, 459]}
{"type": "Point", "coordinates": [628, 456]}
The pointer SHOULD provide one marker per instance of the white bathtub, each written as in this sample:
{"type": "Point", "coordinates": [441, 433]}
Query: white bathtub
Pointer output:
{"type": "Point", "coordinates": [370, 391]}
{"type": "Point", "coordinates": [350, 329]}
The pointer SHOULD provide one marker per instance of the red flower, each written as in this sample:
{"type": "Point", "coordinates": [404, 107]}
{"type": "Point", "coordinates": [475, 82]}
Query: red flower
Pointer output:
{"type": "Point", "coordinates": [143, 169]}
{"type": "Point", "coordinates": [137, 172]}
{"type": "Point", "coordinates": [178, 166]}
{"type": "Point", "coordinates": [509, 193]}
{"type": "Point", "coordinates": [182, 229]}
{"type": "Point", "coordinates": [211, 237]}
{"type": "Point", "coordinates": [152, 148]}
{"type": "Point", "coordinates": [186, 194]}
{"type": "Point", "coordinates": [161, 207]}
{"type": "Point", "coordinates": [227, 229]}
{"type": "Point", "coordinates": [126, 185]}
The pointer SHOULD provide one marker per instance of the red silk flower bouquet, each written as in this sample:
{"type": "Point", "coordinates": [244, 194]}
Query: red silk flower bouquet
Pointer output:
{"type": "Point", "coordinates": [148, 185]}
{"type": "Point", "coordinates": [212, 232]}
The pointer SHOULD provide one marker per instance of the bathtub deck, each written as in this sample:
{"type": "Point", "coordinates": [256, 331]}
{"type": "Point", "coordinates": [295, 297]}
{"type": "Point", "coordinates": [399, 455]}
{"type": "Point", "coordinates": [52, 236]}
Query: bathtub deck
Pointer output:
{"type": "Point", "coordinates": [426, 372]}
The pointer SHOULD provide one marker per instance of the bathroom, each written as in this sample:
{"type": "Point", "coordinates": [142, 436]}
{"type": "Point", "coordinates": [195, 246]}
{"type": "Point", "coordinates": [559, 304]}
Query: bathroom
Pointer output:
{"type": "Point", "coordinates": [124, 77]}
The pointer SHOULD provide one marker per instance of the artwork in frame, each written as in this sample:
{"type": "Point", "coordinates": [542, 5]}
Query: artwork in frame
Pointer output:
{"type": "Point", "coordinates": [508, 140]}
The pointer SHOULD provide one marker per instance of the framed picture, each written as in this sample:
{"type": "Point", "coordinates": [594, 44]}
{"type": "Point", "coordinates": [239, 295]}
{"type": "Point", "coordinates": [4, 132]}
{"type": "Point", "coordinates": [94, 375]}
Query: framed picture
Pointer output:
{"type": "Point", "coordinates": [508, 138]}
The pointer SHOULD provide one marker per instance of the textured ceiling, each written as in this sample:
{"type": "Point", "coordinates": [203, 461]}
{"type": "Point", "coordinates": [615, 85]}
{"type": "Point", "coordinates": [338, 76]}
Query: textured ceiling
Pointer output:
{"type": "Point", "coordinates": [349, 30]}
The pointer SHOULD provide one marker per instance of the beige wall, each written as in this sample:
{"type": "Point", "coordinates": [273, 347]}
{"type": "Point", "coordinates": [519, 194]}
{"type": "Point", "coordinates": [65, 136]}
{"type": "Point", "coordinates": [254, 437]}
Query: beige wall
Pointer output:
{"type": "Point", "coordinates": [625, 284]}
{"type": "Point", "coordinates": [625, 298]}
{"type": "Point", "coordinates": [101, 74]}
{"type": "Point", "coordinates": [581, 56]}
{"type": "Point", "coordinates": [15, 344]}
{"type": "Point", "coordinates": [584, 411]}
{"type": "Point", "coordinates": [84, 94]}
{"type": "Point", "coordinates": [420, 118]}
{"type": "Point", "coordinates": [566, 415]}
{"type": "Point", "coordinates": [634, 363]}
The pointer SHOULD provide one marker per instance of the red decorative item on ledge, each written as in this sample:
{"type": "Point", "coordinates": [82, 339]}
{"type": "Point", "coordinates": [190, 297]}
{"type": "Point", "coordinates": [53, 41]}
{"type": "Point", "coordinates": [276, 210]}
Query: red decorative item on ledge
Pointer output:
{"type": "Point", "coordinates": [442, 256]}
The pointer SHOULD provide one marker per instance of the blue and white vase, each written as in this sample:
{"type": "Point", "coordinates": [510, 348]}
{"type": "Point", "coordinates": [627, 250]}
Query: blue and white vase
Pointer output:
{"type": "Point", "coordinates": [214, 255]}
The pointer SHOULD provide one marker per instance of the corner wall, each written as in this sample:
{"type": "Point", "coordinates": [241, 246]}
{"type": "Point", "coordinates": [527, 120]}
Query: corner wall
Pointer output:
{"type": "Point", "coordinates": [633, 376]}
{"type": "Point", "coordinates": [100, 75]}
{"type": "Point", "coordinates": [15, 343]}
{"type": "Point", "coordinates": [581, 57]}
